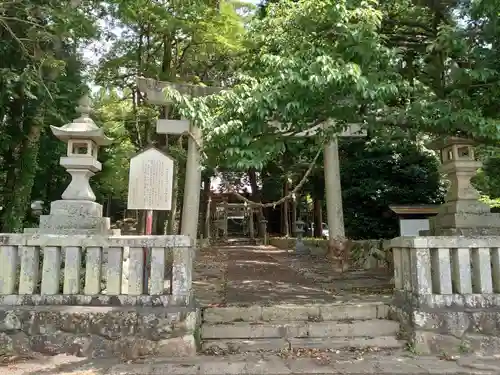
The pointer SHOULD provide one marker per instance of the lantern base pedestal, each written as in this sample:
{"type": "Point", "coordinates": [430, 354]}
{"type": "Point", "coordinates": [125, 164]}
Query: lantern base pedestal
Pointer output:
{"type": "Point", "coordinates": [76, 208]}
{"type": "Point", "coordinates": [465, 224]}
{"type": "Point", "coordinates": [74, 217]}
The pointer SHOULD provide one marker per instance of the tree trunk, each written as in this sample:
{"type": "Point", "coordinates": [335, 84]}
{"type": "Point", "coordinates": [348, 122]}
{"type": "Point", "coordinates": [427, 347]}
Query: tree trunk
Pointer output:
{"type": "Point", "coordinates": [256, 197]}
{"type": "Point", "coordinates": [204, 205]}
{"type": "Point", "coordinates": [286, 209]}
{"type": "Point", "coordinates": [172, 215]}
{"type": "Point", "coordinates": [318, 218]}
{"type": "Point", "coordinates": [16, 208]}
{"type": "Point", "coordinates": [294, 215]}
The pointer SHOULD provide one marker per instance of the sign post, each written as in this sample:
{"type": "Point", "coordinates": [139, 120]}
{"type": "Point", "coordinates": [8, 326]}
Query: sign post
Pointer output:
{"type": "Point", "coordinates": [150, 185]}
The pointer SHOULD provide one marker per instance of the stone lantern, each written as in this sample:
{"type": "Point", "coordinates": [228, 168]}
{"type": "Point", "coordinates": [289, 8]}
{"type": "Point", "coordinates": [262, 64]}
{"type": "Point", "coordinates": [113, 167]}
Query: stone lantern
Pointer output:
{"type": "Point", "coordinates": [462, 213]}
{"type": "Point", "coordinates": [37, 207]}
{"type": "Point", "coordinates": [300, 248]}
{"type": "Point", "coordinates": [77, 212]}
{"type": "Point", "coordinates": [83, 138]}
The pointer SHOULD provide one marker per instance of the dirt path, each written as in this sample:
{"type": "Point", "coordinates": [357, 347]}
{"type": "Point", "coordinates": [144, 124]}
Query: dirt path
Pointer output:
{"type": "Point", "coordinates": [243, 275]}
{"type": "Point", "coordinates": [254, 276]}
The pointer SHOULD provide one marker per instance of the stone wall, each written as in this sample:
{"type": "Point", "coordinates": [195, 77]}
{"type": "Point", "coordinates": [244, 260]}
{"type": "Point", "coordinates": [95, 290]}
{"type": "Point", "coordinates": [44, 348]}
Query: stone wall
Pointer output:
{"type": "Point", "coordinates": [369, 254]}
{"type": "Point", "coordinates": [447, 293]}
{"type": "Point", "coordinates": [128, 332]}
{"type": "Point", "coordinates": [469, 323]}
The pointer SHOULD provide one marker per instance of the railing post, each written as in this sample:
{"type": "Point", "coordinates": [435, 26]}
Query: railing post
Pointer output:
{"type": "Point", "coordinates": [481, 271]}
{"type": "Point", "coordinates": [461, 270]}
{"type": "Point", "coordinates": [72, 267]}
{"type": "Point", "coordinates": [136, 280]}
{"type": "Point", "coordinates": [157, 284]}
{"type": "Point", "coordinates": [182, 277]}
{"type": "Point", "coordinates": [51, 270]}
{"type": "Point", "coordinates": [114, 271]}
{"type": "Point", "coordinates": [441, 271]}
{"type": "Point", "coordinates": [421, 279]}
{"type": "Point", "coordinates": [8, 271]}
{"type": "Point", "coordinates": [93, 271]}
{"type": "Point", "coordinates": [29, 269]}
{"type": "Point", "coordinates": [495, 269]}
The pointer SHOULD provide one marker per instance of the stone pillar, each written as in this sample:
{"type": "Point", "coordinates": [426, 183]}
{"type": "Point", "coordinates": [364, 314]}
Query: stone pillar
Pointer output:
{"type": "Point", "coordinates": [333, 191]}
{"type": "Point", "coordinates": [191, 203]}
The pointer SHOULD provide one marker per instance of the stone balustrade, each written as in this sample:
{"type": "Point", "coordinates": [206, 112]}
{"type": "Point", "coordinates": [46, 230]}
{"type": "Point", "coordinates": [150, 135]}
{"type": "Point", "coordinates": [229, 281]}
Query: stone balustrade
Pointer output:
{"type": "Point", "coordinates": [446, 266]}
{"type": "Point", "coordinates": [88, 270]}
{"type": "Point", "coordinates": [65, 294]}
{"type": "Point", "coordinates": [447, 291]}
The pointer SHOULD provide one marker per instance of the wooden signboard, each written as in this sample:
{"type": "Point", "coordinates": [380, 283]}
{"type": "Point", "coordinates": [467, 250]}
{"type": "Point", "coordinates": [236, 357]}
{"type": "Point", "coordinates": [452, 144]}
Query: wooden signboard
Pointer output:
{"type": "Point", "coordinates": [151, 178]}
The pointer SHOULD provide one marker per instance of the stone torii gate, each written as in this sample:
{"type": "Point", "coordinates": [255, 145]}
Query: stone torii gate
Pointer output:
{"type": "Point", "coordinates": [190, 212]}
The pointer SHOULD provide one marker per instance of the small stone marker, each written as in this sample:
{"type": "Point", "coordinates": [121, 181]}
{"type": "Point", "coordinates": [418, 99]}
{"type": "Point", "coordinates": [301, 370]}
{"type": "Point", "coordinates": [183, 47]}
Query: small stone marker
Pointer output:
{"type": "Point", "coordinates": [151, 178]}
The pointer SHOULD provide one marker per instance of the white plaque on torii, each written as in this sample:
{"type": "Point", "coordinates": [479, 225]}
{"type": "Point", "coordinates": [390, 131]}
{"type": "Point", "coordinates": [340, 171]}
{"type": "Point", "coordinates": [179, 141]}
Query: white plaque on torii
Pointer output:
{"type": "Point", "coordinates": [151, 178]}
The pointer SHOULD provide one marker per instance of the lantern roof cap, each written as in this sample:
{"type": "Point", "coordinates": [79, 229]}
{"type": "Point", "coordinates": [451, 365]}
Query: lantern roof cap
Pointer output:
{"type": "Point", "coordinates": [83, 127]}
{"type": "Point", "coordinates": [441, 143]}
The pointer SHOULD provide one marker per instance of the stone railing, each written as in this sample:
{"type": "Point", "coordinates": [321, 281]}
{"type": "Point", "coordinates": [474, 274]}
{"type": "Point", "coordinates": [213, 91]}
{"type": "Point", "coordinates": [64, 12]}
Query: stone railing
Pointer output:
{"type": "Point", "coordinates": [446, 267]}
{"type": "Point", "coordinates": [447, 292]}
{"type": "Point", "coordinates": [88, 270]}
{"type": "Point", "coordinates": [65, 294]}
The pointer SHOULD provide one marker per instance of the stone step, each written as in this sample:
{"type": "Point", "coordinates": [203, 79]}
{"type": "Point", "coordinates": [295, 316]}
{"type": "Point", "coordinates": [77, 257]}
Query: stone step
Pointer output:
{"type": "Point", "coordinates": [245, 330]}
{"type": "Point", "coordinates": [381, 342]}
{"type": "Point", "coordinates": [249, 345]}
{"type": "Point", "coordinates": [317, 312]}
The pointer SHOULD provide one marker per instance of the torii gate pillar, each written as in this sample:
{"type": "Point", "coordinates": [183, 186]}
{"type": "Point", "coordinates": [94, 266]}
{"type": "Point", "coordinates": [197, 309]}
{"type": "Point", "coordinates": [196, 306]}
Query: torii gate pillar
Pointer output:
{"type": "Point", "coordinates": [192, 186]}
{"type": "Point", "coordinates": [333, 191]}
{"type": "Point", "coordinates": [333, 188]}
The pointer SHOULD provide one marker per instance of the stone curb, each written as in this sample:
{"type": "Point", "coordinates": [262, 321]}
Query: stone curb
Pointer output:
{"type": "Point", "coordinates": [274, 365]}
{"type": "Point", "coordinates": [259, 364]}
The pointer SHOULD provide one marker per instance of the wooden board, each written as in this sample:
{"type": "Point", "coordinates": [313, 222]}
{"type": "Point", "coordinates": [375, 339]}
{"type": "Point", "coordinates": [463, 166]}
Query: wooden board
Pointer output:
{"type": "Point", "coordinates": [151, 178]}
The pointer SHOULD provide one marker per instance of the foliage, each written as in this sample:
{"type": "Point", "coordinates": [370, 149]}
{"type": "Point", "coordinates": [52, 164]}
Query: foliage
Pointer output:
{"type": "Point", "coordinates": [113, 114]}
{"type": "Point", "coordinates": [488, 179]}
{"type": "Point", "coordinates": [41, 80]}
{"type": "Point", "coordinates": [379, 173]}
{"type": "Point", "coordinates": [353, 61]}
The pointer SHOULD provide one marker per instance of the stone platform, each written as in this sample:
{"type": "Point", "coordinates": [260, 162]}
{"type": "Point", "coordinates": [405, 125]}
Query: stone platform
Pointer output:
{"type": "Point", "coordinates": [94, 331]}
{"type": "Point", "coordinates": [381, 363]}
